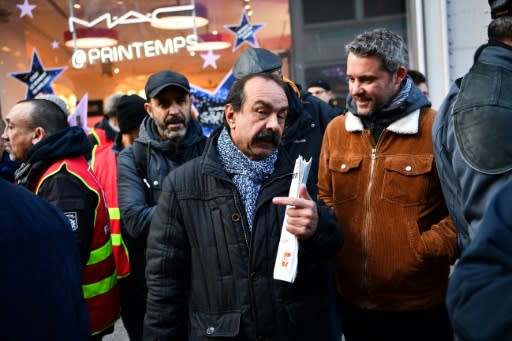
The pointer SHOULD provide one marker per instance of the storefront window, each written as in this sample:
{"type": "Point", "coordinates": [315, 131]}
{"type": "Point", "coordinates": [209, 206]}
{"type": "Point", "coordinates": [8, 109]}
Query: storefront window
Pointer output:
{"type": "Point", "coordinates": [38, 53]}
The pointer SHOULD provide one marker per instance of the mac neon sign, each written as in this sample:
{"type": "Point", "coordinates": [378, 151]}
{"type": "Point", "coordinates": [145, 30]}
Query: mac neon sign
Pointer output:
{"type": "Point", "coordinates": [131, 17]}
{"type": "Point", "coordinates": [134, 50]}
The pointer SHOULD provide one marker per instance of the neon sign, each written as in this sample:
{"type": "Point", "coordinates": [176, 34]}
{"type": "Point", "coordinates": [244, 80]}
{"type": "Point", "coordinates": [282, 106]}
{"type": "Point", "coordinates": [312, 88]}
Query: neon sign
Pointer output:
{"type": "Point", "coordinates": [144, 49]}
{"type": "Point", "coordinates": [134, 50]}
{"type": "Point", "coordinates": [131, 17]}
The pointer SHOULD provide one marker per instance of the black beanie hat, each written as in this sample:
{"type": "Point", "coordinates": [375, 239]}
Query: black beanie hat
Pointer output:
{"type": "Point", "coordinates": [500, 8]}
{"type": "Point", "coordinates": [130, 112]}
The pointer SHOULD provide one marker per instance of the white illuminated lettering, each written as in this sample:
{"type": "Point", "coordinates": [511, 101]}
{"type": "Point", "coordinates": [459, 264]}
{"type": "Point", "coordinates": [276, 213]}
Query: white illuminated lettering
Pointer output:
{"type": "Point", "coordinates": [191, 40]}
{"type": "Point", "coordinates": [178, 43]}
{"type": "Point", "coordinates": [106, 55]}
{"type": "Point", "coordinates": [93, 54]}
{"type": "Point", "coordinates": [137, 45]}
{"type": "Point", "coordinates": [149, 48]}
{"type": "Point", "coordinates": [124, 53]}
{"type": "Point", "coordinates": [131, 17]}
{"type": "Point", "coordinates": [164, 49]}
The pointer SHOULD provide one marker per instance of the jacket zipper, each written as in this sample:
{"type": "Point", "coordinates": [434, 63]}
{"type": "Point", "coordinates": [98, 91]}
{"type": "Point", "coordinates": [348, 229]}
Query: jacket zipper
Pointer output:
{"type": "Point", "coordinates": [373, 156]}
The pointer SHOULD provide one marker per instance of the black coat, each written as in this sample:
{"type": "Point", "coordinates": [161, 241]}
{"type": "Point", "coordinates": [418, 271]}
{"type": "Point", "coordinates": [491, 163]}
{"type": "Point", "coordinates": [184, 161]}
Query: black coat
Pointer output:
{"type": "Point", "coordinates": [140, 178]}
{"type": "Point", "coordinates": [208, 275]}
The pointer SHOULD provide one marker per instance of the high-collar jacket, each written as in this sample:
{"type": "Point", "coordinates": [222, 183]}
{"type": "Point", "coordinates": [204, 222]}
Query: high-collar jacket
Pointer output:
{"type": "Point", "coordinates": [208, 275]}
{"type": "Point", "coordinates": [399, 239]}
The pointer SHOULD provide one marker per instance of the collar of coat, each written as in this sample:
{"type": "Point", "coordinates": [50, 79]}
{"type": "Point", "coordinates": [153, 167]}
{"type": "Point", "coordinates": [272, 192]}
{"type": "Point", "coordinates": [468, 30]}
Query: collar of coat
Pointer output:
{"type": "Point", "coordinates": [405, 125]}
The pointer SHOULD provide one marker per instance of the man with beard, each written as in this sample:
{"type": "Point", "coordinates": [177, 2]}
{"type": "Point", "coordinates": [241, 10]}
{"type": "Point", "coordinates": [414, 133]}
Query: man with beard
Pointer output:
{"type": "Point", "coordinates": [214, 236]}
{"type": "Point", "coordinates": [377, 172]}
{"type": "Point", "coordinates": [54, 167]}
{"type": "Point", "coordinates": [168, 137]}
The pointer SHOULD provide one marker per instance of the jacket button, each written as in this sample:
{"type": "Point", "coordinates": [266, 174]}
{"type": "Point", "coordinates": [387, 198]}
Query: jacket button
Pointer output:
{"type": "Point", "coordinates": [155, 183]}
{"type": "Point", "coordinates": [343, 166]}
{"type": "Point", "coordinates": [408, 168]}
{"type": "Point", "coordinates": [254, 276]}
{"type": "Point", "coordinates": [235, 217]}
{"type": "Point", "coordinates": [210, 330]}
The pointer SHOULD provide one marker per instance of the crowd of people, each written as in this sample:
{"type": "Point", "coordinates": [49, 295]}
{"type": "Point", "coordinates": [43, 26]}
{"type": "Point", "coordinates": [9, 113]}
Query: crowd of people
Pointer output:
{"type": "Point", "coordinates": [147, 220]}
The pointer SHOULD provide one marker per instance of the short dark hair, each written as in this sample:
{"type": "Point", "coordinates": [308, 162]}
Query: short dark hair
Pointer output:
{"type": "Point", "coordinates": [47, 115]}
{"type": "Point", "coordinates": [500, 28]}
{"type": "Point", "coordinates": [237, 95]}
{"type": "Point", "coordinates": [416, 76]}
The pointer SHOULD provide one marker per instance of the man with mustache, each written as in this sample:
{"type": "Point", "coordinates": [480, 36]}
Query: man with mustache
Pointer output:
{"type": "Point", "coordinates": [168, 137]}
{"type": "Point", "coordinates": [377, 172]}
{"type": "Point", "coordinates": [215, 232]}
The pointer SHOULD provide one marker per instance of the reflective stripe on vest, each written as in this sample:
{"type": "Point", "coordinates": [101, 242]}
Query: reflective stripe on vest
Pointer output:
{"type": "Point", "coordinates": [99, 278]}
{"type": "Point", "coordinates": [100, 287]}
{"type": "Point", "coordinates": [104, 165]}
{"type": "Point", "coordinates": [100, 254]}
{"type": "Point", "coordinates": [100, 135]}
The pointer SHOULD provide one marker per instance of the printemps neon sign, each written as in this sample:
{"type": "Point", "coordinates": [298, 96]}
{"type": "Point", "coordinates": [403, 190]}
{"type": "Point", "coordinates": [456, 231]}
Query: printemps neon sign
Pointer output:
{"type": "Point", "coordinates": [143, 49]}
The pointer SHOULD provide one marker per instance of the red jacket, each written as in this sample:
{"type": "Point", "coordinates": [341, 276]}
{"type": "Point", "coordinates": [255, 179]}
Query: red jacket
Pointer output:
{"type": "Point", "coordinates": [104, 166]}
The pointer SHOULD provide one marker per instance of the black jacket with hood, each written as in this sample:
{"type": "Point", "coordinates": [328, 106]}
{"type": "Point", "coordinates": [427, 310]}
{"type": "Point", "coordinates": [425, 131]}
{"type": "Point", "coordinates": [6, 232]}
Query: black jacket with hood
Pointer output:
{"type": "Point", "coordinates": [64, 190]}
{"type": "Point", "coordinates": [142, 168]}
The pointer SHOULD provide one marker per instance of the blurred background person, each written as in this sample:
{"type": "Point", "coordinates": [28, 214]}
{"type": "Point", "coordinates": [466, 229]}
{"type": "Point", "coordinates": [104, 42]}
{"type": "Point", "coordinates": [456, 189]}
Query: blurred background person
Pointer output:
{"type": "Point", "coordinates": [105, 131]}
{"type": "Point", "coordinates": [321, 89]}
{"type": "Point", "coordinates": [419, 80]}
{"type": "Point", "coordinates": [130, 114]}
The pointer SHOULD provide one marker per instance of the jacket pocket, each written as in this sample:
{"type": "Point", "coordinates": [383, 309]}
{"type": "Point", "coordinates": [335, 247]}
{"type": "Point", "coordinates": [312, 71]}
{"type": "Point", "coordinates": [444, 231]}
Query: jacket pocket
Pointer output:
{"type": "Point", "coordinates": [407, 179]}
{"type": "Point", "coordinates": [345, 178]}
{"type": "Point", "coordinates": [215, 325]}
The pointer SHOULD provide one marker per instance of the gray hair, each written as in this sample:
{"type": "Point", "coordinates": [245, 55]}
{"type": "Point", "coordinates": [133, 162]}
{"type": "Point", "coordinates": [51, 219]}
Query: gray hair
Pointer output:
{"type": "Point", "coordinates": [388, 46]}
{"type": "Point", "coordinates": [111, 104]}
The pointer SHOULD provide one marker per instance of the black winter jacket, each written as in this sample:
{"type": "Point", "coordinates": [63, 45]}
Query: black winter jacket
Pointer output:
{"type": "Point", "coordinates": [305, 126]}
{"type": "Point", "coordinates": [62, 189]}
{"type": "Point", "coordinates": [209, 276]}
{"type": "Point", "coordinates": [142, 168]}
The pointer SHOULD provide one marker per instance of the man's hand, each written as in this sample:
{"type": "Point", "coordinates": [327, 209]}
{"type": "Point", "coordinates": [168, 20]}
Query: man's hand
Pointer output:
{"type": "Point", "coordinates": [302, 214]}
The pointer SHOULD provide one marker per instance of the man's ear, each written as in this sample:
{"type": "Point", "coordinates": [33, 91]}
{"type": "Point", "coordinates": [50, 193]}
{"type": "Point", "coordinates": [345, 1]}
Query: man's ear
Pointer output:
{"type": "Point", "coordinates": [39, 134]}
{"type": "Point", "coordinates": [147, 106]}
{"type": "Point", "coordinates": [401, 73]}
{"type": "Point", "coordinates": [229, 113]}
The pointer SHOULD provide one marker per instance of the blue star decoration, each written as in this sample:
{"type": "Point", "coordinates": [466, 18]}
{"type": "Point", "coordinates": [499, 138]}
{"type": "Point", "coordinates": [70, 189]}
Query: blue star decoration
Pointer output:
{"type": "Point", "coordinates": [210, 105]}
{"type": "Point", "coordinates": [38, 79]}
{"type": "Point", "coordinates": [244, 32]}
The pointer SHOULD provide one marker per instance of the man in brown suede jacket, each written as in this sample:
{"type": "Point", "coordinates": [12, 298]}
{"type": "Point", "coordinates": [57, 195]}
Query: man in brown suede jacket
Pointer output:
{"type": "Point", "coordinates": [377, 172]}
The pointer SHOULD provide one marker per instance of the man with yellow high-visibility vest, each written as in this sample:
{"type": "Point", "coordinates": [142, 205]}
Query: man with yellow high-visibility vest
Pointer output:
{"type": "Point", "coordinates": [55, 168]}
{"type": "Point", "coordinates": [130, 113]}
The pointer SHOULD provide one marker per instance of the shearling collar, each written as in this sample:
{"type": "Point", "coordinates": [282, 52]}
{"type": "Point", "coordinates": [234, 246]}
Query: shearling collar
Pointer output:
{"type": "Point", "coordinates": [405, 125]}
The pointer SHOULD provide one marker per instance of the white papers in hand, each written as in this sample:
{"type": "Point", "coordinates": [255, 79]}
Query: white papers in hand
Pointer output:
{"type": "Point", "coordinates": [285, 268]}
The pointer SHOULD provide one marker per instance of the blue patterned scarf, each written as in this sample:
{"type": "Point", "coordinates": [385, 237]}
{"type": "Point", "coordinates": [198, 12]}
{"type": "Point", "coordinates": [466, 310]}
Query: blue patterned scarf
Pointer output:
{"type": "Point", "coordinates": [247, 175]}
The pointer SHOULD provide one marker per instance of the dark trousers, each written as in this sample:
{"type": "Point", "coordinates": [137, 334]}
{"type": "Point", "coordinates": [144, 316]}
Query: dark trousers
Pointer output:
{"type": "Point", "coordinates": [132, 292]}
{"type": "Point", "coordinates": [430, 324]}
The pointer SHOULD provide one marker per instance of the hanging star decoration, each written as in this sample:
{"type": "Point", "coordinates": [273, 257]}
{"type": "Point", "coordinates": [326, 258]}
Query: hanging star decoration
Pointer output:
{"type": "Point", "coordinates": [244, 32]}
{"type": "Point", "coordinates": [210, 59]}
{"type": "Point", "coordinates": [26, 9]}
{"type": "Point", "coordinates": [210, 105]}
{"type": "Point", "coordinates": [55, 44]}
{"type": "Point", "coordinates": [38, 79]}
